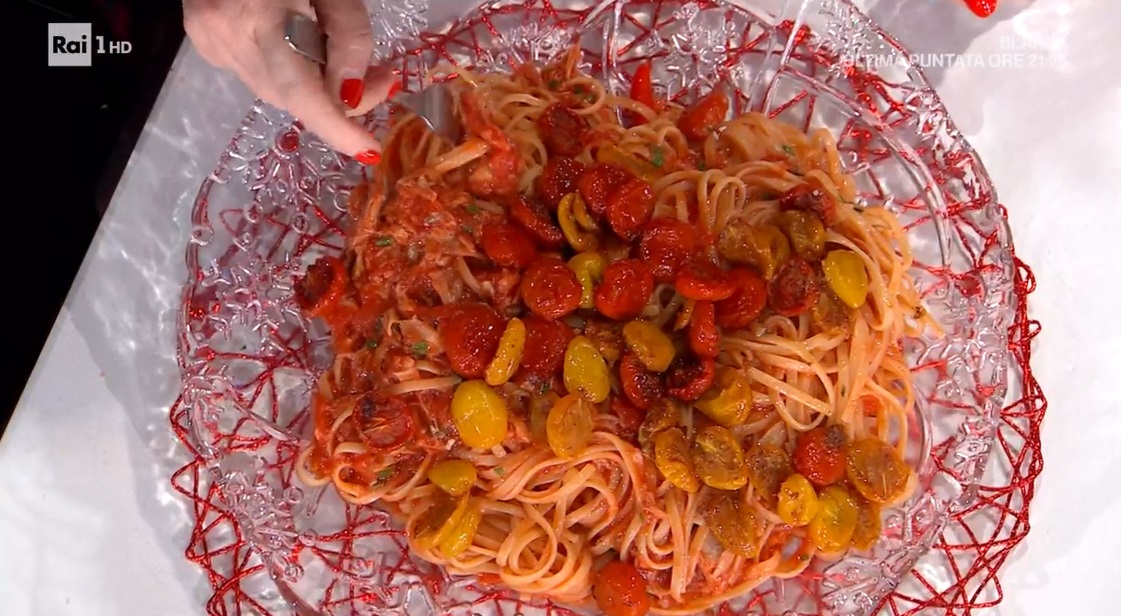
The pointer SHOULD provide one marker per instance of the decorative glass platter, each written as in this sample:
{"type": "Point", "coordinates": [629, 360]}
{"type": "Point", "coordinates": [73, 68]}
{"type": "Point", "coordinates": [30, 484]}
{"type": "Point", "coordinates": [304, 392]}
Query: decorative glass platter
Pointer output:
{"type": "Point", "coordinates": [277, 199]}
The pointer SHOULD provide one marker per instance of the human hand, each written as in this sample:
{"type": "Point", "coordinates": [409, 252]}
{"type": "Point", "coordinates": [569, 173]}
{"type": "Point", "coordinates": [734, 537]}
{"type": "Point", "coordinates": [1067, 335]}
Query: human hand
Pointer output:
{"type": "Point", "coordinates": [247, 38]}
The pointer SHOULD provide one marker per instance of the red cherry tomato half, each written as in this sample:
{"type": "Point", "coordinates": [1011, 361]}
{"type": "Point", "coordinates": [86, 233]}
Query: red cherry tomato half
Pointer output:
{"type": "Point", "coordinates": [558, 178]}
{"type": "Point", "coordinates": [666, 246]}
{"type": "Point", "coordinates": [620, 590]}
{"type": "Point", "coordinates": [596, 184]}
{"type": "Point", "coordinates": [704, 281]}
{"type": "Point", "coordinates": [384, 424]}
{"type": "Point", "coordinates": [629, 208]}
{"type": "Point", "coordinates": [746, 303]}
{"type": "Point", "coordinates": [507, 245]}
{"type": "Point", "coordinates": [545, 344]}
{"type": "Point", "coordinates": [704, 339]}
{"type": "Point", "coordinates": [535, 219]}
{"type": "Point", "coordinates": [550, 289]}
{"type": "Point", "coordinates": [706, 114]}
{"type": "Point", "coordinates": [562, 130]}
{"type": "Point", "coordinates": [795, 289]}
{"type": "Point", "coordinates": [469, 334]}
{"type": "Point", "coordinates": [624, 289]}
{"type": "Point", "coordinates": [640, 386]}
{"type": "Point", "coordinates": [688, 378]}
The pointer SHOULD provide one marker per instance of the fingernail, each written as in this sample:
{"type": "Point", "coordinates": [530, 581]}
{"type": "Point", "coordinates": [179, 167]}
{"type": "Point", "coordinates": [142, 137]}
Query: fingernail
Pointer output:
{"type": "Point", "coordinates": [351, 92]}
{"type": "Point", "coordinates": [369, 157]}
{"type": "Point", "coordinates": [394, 88]}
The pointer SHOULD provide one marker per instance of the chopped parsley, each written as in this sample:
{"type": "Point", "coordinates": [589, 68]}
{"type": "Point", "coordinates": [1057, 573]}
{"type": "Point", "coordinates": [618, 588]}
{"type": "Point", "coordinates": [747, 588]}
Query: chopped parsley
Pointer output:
{"type": "Point", "coordinates": [656, 156]}
{"type": "Point", "coordinates": [544, 389]}
{"type": "Point", "coordinates": [419, 350]}
{"type": "Point", "coordinates": [384, 474]}
{"type": "Point", "coordinates": [701, 166]}
{"type": "Point", "coordinates": [371, 344]}
{"type": "Point", "coordinates": [472, 209]}
{"type": "Point", "coordinates": [788, 149]}
{"type": "Point", "coordinates": [553, 84]}
{"type": "Point", "coordinates": [500, 471]}
{"type": "Point", "coordinates": [468, 229]}
{"type": "Point", "coordinates": [383, 241]}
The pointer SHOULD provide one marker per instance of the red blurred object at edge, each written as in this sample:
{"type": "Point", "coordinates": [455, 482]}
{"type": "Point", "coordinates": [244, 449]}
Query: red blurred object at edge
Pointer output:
{"type": "Point", "coordinates": [982, 8]}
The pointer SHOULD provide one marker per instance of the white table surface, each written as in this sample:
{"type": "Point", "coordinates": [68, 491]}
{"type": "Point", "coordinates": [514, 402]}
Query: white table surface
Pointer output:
{"type": "Point", "coordinates": [89, 525]}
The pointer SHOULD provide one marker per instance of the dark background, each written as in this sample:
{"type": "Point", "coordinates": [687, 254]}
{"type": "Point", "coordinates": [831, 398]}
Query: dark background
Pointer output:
{"type": "Point", "coordinates": [68, 139]}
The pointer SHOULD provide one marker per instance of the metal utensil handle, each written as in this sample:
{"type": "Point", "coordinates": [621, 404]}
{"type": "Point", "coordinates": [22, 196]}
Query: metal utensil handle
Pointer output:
{"type": "Point", "coordinates": [305, 37]}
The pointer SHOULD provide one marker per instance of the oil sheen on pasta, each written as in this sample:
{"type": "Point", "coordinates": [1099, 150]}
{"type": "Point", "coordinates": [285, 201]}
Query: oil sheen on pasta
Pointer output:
{"type": "Point", "coordinates": [613, 350]}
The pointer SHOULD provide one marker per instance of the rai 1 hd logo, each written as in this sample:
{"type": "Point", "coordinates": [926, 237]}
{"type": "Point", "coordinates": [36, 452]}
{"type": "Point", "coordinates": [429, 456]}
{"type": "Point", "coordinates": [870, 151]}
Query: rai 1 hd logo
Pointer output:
{"type": "Point", "coordinates": [73, 44]}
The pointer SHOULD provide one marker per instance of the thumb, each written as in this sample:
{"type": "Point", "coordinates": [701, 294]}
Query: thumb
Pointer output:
{"type": "Point", "coordinates": [298, 86]}
{"type": "Point", "coordinates": [350, 45]}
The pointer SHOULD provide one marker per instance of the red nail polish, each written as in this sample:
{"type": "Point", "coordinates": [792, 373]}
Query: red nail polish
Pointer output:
{"type": "Point", "coordinates": [351, 92]}
{"type": "Point", "coordinates": [369, 157]}
{"type": "Point", "coordinates": [394, 88]}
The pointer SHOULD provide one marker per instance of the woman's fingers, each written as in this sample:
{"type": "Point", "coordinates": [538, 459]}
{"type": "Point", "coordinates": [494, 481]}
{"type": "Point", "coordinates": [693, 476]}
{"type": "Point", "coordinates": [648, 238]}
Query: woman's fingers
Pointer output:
{"type": "Point", "coordinates": [299, 88]}
{"type": "Point", "coordinates": [380, 83]}
{"type": "Point", "coordinates": [350, 44]}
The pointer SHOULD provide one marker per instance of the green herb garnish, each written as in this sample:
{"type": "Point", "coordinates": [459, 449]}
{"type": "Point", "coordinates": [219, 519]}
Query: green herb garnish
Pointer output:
{"type": "Point", "coordinates": [468, 229]}
{"type": "Point", "coordinates": [553, 84]}
{"type": "Point", "coordinates": [371, 344]}
{"type": "Point", "coordinates": [701, 166]}
{"type": "Point", "coordinates": [472, 209]}
{"type": "Point", "coordinates": [383, 241]}
{"type": "Point", "coordinates": [384, 474]}
{"type": "Point", "coordinates": [788, 149]}
{"type": "Point", "coordinates": [544, 389]}
{"type": "Point", "coordinates": [419, 349]}
{"type": "Point", "coordinates": [656, 156]}
{"type": "Point", "coordinates": [501, 472]}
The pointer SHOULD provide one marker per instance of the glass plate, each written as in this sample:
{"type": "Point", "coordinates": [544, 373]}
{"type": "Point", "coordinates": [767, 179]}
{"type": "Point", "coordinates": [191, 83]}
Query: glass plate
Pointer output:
{"type": "Point", "coordinates": [276, 201]}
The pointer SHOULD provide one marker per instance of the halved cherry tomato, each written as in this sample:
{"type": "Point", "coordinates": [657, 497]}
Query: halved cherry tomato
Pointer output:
{"type": "Point", "coordinates": [545, 344]}
{"type": "Point", "coordinates": [558, 179]}
{"type": "Point", "coordinates": [767, 468]}
{"type": "Point", "coordinates": [794, 289]}
{"type": "Point", "coordinates": [746, 303]}
{"type": "Point", "coordinates": [820, 455]}
{"type": "Point", "coordinates": [384, 424]}
{"type": "Point", "coordinates": [470, 334]}
{"type": "Point", "coordinates": [322, 286]}
{"type": "Point", "coordinates": [718, 458]}
{"type": "Point", "coordinates": [732, 523]}
{"type": "Point", "coordinates": [672, 459]}
{"type": "Point", "coordinates": [620, 590]}
{"type": "Point", "coordinates": [535, 219]}
{"type": "Point", "coordinates": [569, 426]}
{"type": "Point", "coordinates": [596, 184]}
{"type": "Point", "coordinates": [666, 246]}
{"type": "Point", "coordinates": [810, 199]}
{"type": "Point", "coordinates": [704, 281]}
{"type": "Point", "coordinates": [630, 417]}
{"type": "Point", "coordinates": [704, 339]}
{"type": "Point", "coordinates": [629, 208]}
{"type": "Point", "coordinates": [624, 289]}
{"type": "Point", "coordinates": [641, 386]}
{"type": "Point", "coordinates": [562, 130]}
{"type": "Point", "coordinates": [706, 114]}
{"type": "Point", "coordinates": [508, 245]}
{"type": "Point", "coordinates": [877, 471]}
{"type": "Point", "coordinates": [550, 289]}
{"type": "Point", "coordinates": [688, 378]}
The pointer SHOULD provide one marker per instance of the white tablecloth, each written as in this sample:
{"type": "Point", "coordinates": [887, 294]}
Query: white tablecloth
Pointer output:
{"type": "Point", "coordinates": [90, 526]}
